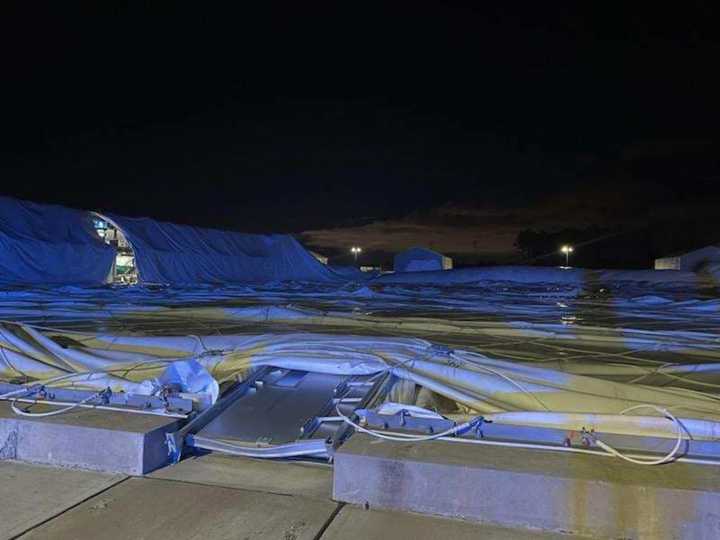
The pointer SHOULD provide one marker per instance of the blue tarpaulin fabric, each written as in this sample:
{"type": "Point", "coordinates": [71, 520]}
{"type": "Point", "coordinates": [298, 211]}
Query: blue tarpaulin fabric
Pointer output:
{"type": "Point", "coordinates": [49, 244]}
{"type": "Point", "coordinates": [418, 260]}
{"type": "Point", "coordinates": [180, 254]}
{"type": "Point", "coordinates": [352, 273]}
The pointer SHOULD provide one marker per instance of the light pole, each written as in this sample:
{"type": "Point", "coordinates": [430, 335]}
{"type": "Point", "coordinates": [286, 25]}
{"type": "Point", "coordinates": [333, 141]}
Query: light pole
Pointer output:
{"type": "Point", "coordinates": [355, 250]}
{"type": "Point", "coordinates": [567, 250]}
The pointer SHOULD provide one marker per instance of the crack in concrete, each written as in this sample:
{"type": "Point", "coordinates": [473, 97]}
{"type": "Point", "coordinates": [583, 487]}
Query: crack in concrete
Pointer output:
{"type": "Point", "coordinates": [71, 507]}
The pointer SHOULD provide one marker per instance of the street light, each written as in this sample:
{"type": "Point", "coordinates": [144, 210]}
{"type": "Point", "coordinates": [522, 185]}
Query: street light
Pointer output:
{"type": "Point", "coordinates": [567, 250]}
{"type": "Point", "coordinates": [355, 250]}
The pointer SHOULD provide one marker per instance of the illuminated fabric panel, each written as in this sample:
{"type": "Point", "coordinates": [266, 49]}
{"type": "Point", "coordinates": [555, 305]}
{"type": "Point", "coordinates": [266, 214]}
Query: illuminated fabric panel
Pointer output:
{"type": "Point", "coordinates": [421, 260]}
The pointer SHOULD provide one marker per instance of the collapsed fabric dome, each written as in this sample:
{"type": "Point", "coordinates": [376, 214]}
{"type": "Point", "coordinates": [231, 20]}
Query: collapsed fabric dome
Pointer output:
{"type": "Point", "coordinates": [179, 254]}
{"type": "Point", "coordinates": [692, 261]}
{"type": "Point", "coordinates": [421, 260]}
{"type": "Point", "coordinates": [49, 244]}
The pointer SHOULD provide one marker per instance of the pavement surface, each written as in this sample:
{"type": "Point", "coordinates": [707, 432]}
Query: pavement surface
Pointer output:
{"type": "Point", "coordinates": [209, 497]}
{"type": "Point", "coordinates": [34, 494]}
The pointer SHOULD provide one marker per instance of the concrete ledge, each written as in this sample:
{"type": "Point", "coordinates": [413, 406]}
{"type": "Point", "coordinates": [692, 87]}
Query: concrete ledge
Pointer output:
{"type": "Point", "coordinates": [579, 494]}
{"type": "Point", "coordinates": [89, 439]}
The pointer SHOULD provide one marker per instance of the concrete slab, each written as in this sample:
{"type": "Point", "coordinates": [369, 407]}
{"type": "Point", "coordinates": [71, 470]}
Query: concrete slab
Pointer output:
{"type": "Point", "coordinates": [86, 438]}
{"type": "Point", "coordinates": [32, 494]}
{"type": "Point", "coordinates": [591, 495]}
{"type": "Point", "coordinates": [289, 478]}
{"type": "Point", "coordinates": [353, 522]}
{"type": "Point", "coordinates": [149, 508]}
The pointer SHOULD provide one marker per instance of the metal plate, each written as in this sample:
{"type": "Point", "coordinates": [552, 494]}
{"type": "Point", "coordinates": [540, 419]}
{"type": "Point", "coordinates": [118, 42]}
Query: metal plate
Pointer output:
{"type": "Point", "coordinates": [285, 406]}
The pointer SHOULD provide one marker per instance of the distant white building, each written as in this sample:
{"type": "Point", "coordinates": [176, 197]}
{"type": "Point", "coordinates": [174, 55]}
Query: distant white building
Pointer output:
{"type": "Point", "coordinates": [421, 260]}
{"type": "Point", "coordinates": [691, 261]}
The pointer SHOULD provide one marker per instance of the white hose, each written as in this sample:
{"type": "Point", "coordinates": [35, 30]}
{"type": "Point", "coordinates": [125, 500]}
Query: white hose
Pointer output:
{"type": "Point", "coordinates": [14, 393]}
{"type": "Point", "coordinates": [670, 456]}
{"type": "Point", "coordinates": [536, 446]}
{"type": "Point", "coordinates": [65, 376]}
{"type": "Point", "coordinates": [609, 450]}
{"type": "Point", "coordinates": [55, 412]}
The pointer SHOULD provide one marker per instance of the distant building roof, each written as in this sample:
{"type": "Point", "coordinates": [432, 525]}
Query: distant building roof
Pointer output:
{"type": "Point", "coordinates": [690, 261]}
{"type": "Point", "coordinates": [419, 259]}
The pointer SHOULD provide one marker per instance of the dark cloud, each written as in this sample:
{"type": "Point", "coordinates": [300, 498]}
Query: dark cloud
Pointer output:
{"type": "Point", "coordinates": [482, 233]}
{"type": "Point", "coordinates": [460, 122]}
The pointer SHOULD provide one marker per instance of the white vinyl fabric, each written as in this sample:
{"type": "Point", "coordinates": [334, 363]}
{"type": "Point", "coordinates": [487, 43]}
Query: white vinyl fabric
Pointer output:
{"type": "Point", "coordinates": [511, 391]}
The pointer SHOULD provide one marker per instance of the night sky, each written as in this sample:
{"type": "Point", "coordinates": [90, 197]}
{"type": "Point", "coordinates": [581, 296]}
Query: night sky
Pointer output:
{"type": "Point", "coordinates": [445, 123]}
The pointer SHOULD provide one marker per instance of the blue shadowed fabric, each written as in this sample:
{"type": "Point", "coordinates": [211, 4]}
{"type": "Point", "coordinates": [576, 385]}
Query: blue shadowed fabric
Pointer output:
{"type": "Point", "coordinates": [50, 245]}
{"type": "Point", "coordinates": [182, 255]}
{"type": "Point", "coordinates": [418, 260]}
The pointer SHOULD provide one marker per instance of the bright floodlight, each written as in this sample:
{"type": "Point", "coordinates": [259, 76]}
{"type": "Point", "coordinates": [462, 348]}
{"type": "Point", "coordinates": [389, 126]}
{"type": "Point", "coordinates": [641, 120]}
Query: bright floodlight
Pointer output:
{"type": "Point", "coordinates": [567, 250]}
{"type": "Point", "coordinates": [356, 250]}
